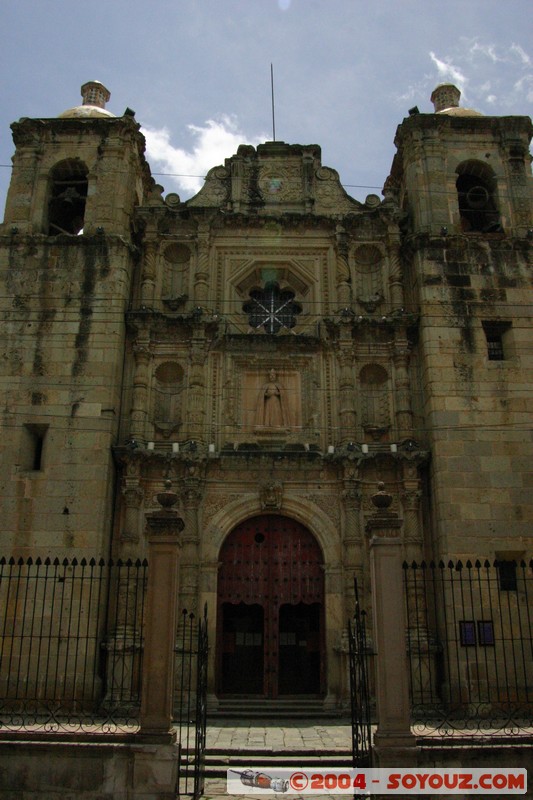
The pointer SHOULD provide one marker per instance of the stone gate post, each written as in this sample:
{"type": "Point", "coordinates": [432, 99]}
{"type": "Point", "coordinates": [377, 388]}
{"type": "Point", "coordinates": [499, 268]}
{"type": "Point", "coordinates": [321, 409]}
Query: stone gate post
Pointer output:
{"type": "Point", "coordinates": [394, 744]}
{"type": "Point", "coordinates": [162, 530]}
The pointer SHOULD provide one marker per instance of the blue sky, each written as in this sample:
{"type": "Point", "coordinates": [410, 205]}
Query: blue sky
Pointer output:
{"type": "Point", "coordinates": [197, 72]}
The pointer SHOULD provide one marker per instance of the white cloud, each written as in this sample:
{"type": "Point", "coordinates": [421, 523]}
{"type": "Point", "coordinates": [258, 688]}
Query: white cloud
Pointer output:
{"type": "Point", "coordinates": [488, 50]}
{"type": "Point", "coordinates": [521, 53]}
{"type": "Point", "coordinates": [449, 72]}
{"type": "Point", "coordinates": [216, 140]}
{"type": "Point", "coordinates": [525, 85]}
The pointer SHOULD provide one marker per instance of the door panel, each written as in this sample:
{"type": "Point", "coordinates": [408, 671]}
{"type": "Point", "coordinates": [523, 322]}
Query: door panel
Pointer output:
{"type": "Point", "coordinates": [242, 649]}
{"type": "Point", "coordinates": [299, 649]}
{"type": "Point", "coordinates": [274, 564]}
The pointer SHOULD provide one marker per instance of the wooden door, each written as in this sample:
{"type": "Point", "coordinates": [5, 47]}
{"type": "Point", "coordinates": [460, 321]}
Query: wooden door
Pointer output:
{"type": "Point", "coordinates": [270, 610]}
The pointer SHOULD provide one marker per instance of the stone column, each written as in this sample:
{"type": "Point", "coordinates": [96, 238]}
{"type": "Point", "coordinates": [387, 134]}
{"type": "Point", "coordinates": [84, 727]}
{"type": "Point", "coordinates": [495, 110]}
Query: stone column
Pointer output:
{"type": "Point", "coordinates": [208, 594]}
{"type": "Point", "coordinates": [421, 648]}
{"type": "Point", "coordinates": [352, 535]}
{"type": "Point", "coordinates": [352, 541]}
{"type": "Point", "coordinates": [191, 496]}
{"type": "Point", "coordinates": [394, 744]}
{"type": "Point", "coordinates": [133, 496]}
{"type": "Point", "coordinates": [395, 272]}
{"type": "Point", "coordinates": [347, 413]}
{"type": "Point", "coordinates": [143, 356]}
{"type": "Point", "coordinates": [124, 644]}
{"type": "Point", "coordinates": [201, 286]}
{"type": "Point", "coordinates": [334, 614]}
{"type": "Point", "coordinates": [148, 273]}
{"type": "Point", "coordinates": [162, 531]}
{"type": "Point", "coordinates": [344, 290]}
{"type": "Point", "coordinates": [196, 394]}
{"type": "Point", "coordinates": [402, 385]}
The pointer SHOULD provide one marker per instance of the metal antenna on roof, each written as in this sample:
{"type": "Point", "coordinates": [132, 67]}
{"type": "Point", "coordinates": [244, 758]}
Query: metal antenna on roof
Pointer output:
{"type": "Point", "coordinates": [272, 91]}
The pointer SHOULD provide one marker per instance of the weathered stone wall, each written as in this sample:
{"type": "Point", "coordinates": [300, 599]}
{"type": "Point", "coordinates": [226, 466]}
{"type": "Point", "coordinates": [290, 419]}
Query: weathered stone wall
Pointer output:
{"type": "Point", "coordinates": [92, 771]}
{"type": "Point", "coordinates": [63, 337]}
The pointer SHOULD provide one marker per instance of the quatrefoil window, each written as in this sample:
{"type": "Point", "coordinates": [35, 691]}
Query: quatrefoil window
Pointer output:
{"type": "Point", "coordinates": [272, 308]}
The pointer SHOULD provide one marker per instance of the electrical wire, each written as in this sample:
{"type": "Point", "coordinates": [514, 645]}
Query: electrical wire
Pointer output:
{"type": "Point", "coordinates": [412, 189]}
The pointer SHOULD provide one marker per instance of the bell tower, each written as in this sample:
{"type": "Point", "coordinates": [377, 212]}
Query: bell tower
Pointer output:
{"type": "Point", "coordinates": [465, 189]}
{"type": "Point", "coordinates": [79, 171]}
{"type": "Point", "coordinates": [68, 251]}
{"type": "Point", "coordinates": [464, 171]}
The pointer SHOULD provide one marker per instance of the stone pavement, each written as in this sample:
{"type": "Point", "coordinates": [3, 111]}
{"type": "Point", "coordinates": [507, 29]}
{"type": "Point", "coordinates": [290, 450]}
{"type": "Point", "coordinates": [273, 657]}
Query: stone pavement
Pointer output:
{"type": "Point", "coordinates": [271, 735]}
{"type": "Point", "coordinates": [311, 737]}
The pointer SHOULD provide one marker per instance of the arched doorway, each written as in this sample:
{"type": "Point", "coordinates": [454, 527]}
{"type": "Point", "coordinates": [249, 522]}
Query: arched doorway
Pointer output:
{"type": "Point", "coordinates": [270, 623]}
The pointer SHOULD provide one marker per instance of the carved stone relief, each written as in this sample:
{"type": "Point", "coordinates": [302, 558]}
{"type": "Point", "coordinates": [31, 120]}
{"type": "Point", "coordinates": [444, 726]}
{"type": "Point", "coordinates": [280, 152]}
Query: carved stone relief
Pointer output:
{"type": "Point", "coordinates": [271, 495]}
{"type": "Point", "coordinates": [271, 401]}
{"type": "Point", "coordinates": [329, 504]}
{"type": "Point", "coordinates": [280, 181]}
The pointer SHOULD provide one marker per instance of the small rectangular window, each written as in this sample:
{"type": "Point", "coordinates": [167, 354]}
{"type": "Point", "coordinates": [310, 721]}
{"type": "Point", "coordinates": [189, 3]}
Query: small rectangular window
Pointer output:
{"type": "Point", "coordinates": [485, 632]}
{"type": "Point", "coordinates": [507, 576]}
{"type": "Point", "coordinates": [32, 447]}
{"type": "Point", "coordinates": [495, 338]}
{"type": "Point", "coordinates": [467, 633]}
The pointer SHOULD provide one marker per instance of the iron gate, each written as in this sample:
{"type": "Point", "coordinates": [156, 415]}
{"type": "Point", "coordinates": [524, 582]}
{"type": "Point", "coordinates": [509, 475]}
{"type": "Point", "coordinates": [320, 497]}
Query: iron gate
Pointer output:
{"type": "Point", "coordinates": [359, 688]}
{"type": "Point", "coordinates": [190, 706]}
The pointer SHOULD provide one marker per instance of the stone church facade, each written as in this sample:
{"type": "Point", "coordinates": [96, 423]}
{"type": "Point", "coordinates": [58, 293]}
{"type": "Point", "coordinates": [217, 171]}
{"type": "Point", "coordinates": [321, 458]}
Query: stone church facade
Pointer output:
{"type": "Point", "coordinates": [274, 348]}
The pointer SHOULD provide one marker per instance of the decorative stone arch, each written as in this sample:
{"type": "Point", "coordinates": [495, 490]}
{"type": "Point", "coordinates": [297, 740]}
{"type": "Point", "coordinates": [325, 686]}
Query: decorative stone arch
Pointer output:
{"type": "Point", "coordinates": [301, 509]}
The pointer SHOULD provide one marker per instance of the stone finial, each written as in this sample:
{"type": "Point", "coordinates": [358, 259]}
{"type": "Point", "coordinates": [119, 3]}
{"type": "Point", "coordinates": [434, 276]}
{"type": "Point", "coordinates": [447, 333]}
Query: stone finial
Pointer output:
{"type": "Point", "coordinates": [95, 93]}
{"type": "Point", "coordinates": [168, 498]}
{"type": "Point", "coordinates": [381, 499]}
{"type": "Point", "coordinates": [446, 95]}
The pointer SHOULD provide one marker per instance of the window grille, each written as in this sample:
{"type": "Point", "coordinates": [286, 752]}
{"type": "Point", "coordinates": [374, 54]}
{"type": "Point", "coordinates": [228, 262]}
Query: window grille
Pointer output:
{"type": "Point", "coordinates": [272, 308]}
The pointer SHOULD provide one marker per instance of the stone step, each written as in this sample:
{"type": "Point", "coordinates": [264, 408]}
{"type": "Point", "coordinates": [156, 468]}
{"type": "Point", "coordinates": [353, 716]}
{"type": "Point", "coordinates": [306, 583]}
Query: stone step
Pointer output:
{"type": "Point", "coordinates": [282, 710]}
{"type": "Point", "coordinates": [218, 761]}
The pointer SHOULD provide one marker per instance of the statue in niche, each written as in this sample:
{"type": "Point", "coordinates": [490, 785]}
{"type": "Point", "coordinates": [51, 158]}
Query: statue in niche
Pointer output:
{"type": "Point", "coordinates": [271, 411]}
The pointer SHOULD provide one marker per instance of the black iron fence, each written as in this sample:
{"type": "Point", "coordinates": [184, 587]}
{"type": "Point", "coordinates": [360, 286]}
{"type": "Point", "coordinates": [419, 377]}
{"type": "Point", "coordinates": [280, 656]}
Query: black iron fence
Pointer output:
{"type": "Point", "coordinates": [470, 642]}
{"type": "Point", "coordinates": [71, 636]}
{"type": "Point", "coordinates": [71, 655]}
{"type": "Point", "coordinates": [190, 702]}
{"type": "Point", "coordinates": [359, 687]}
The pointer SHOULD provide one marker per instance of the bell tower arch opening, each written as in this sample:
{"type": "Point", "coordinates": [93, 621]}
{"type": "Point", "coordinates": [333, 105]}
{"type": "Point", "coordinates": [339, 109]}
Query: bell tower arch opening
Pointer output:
{"type": "Point", "coordinates": [67, 197]}
{"type": "Point", "coordinates": [270, 610]}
